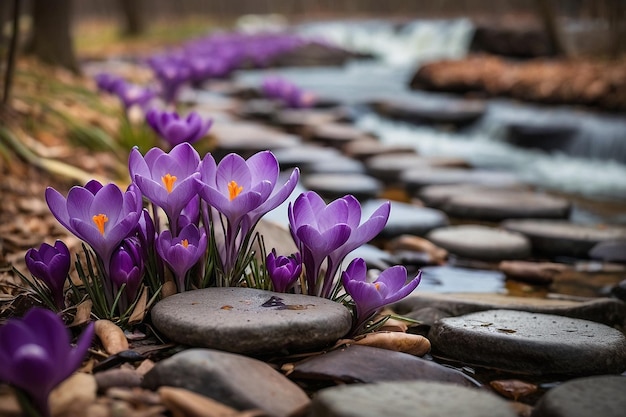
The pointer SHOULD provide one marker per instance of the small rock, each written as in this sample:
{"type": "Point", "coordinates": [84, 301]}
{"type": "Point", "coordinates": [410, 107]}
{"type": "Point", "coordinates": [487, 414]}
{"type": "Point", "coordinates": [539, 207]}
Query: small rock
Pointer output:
{"type": "Point", "coordinates": [247, 138]}
{"type": "Point", "coordinates": [406, 218]}
{"type": "Point", "coordinates": [533, 272]}
{"type": "Point", "coordinates": [452, 112]}
{"type": "Point", "coordinates": [73, 394]}
{"type": "Point", "coordinates": [417, 178]}
{"type": "Point", "coordinates": [338, 135]}
{"type": "Point", "coordinates": [609, 251]}
{"type": "Point", "coordinates": [183, 402]}
{"type": "Point", "coordinates": [333, 186]}
{"type": "Point", "coordinates": [304, 155]}
{"type": "Point", "coordinates": [513, 389]}
{"type": "Point", "coordinates": [367, 148]}
{"type": "Point", "coordinates": [118, 378]}
{"type": "Point", "coordinates": [389, 167]}
{"type": "Point", "coordinates": [338, 165]}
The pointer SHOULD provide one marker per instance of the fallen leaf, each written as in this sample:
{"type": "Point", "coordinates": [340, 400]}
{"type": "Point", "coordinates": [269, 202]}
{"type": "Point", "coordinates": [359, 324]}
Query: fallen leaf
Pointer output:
{"type": "Point", "coordinates": [111, 335]}
{"type": "Point", "coordinates": [184, 403]}
{"type": "Point", "coordinates": [513, 388]}
{"type": "Point", "coordinates": [400, 342]}
{"type": "Point", "coordinates": [83, 313]}
{"type": "Point", "coordinates": [140, 308]}
{"type": "Point", "coordinates": [73, 395]}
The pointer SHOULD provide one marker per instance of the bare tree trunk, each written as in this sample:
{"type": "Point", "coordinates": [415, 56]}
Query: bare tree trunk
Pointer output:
{"type": "Point", "coordinates": [51, 39]}
{"type": "Point", "coordinates": [133, 14]}
{"type": "Point", "coordinates": [11, 53]}
{"type": "Point", "coordinates": [617, 27]}
{"type": "Point", "coordinates": [548, 17]}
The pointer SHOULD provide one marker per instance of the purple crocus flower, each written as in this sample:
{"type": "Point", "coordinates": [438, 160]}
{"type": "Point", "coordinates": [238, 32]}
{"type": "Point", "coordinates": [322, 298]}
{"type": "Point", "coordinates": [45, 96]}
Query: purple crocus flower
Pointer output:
{"type": "Point", "coordinates": [132, 94]}
{"type": "Point", "coordinates": [168, 180]}
{"type": "Point", "coordinates": [330, 232]}
{"type": "Point", "coordinates": [108, 82]}
{"type": "Point", "coordinates": [287, 92]}
{"type": "Point", "coordinates": [243, 191]}
{"type": "Point", "coordinates": [50, 264]}
{"type": "Point", "coordinates": [36, 354]}
{"type": "Point", "coordinates": [172, 73]}
{"type": "Point", "coordinates": [174, 129]}
{"type": "Point", "coordinates": [127, 267]}
{"type": "Point", "coordinates": [102, 216]}
{"type": "Point", "coordinates": [182, 252]}
{"type": "Point", "coordinates": [369, 297]}
{"type": "Point", "coordinates": [283, 271]}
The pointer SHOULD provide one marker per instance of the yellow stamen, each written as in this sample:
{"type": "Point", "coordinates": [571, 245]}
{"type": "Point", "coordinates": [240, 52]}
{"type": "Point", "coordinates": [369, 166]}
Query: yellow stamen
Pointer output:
{"type": "Point", "coordinates": [377, 285]}
{"type": "Point", "coordinates": [100, 220]}
{"type": "Point", "coordinates": [234, 189]}
{"type": "Point", "coordinates": [184, 242]}
{"type": "Point", "coordinates": [168, 181]}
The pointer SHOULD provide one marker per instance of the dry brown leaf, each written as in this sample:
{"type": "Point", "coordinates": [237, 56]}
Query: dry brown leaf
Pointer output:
{"type": "Point", "coordinates": [73, 395]}
{"type": "Point", "coordinates": [112, 337]}
{"type": "Point", "coordinates": [140, 308]}
{"type": "Point", "coordinates": [169, 288]}
{"type": "Point", "coordinates": [83, 313]}
{"type": "Point", "coordinates": [9, 406]}
{"type": "Point", "coordinates": [145, 367]}
{"type": "Point", "coordinates": [400, 342]}
{"type": "Point", "coordinates": [513, 388]}
{"type": "Point", "coordinates": [184, 403]}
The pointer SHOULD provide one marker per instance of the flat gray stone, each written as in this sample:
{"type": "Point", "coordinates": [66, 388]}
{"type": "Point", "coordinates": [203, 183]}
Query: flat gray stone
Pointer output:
{"type": "Point", "coordinates": [389, 167]}
{"type": "Point", "coordinates": [437, 195]}
{"type": "Point", "coordinates": [584, 397]}
{"type": "Point", "coordinates": [234, 319]}
{"type": "Point", "coordinates": [248, 138]}
{"type": "Point", "coordinates": [367, 364]}
{"type": "Point", "coordinates": [407, 399]}
{"type": "Point", "coordinates": [303, 155]}
{"type": "Point", "coordinates": [610, 251]}
{"type": "Point", "coordinates": [497, 205]}
{"type": "Point", "coordinates": [235, 380]}
{"type": "Point", "coordinates": [406, 218]}
{"type": "Point", "coordinates": [333, 186]}
{"type": "Point", "coordinates": [530, 343]}
{"type": "Point", "coordinates": [481, 242]}
{"type": "Point", "coordinates": [338, 135]}
{"type": "Point", "coordinates": [338, 165]}
{"type": "Point", "coordinates": [416, 178]}
{"type": "Point", "coordinates": [562, 238]}
{"type": "Point", "coordinates": [443, 111]}
{"type": "Point", "coordinates": [297, 120]}
{"type": "Point", "coordinates": [602, 310]}
{"type": "Point", "coordinates": [445, 279]}
{"type": "Point", "coordinates": [367, 148]}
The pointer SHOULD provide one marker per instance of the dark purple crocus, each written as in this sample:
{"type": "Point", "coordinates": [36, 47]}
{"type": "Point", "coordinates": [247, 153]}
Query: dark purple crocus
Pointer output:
{"type": "Point", "coordinates": [108, 82]}
{"type": "Point", "coordinates": [36, 354]}
{"type": "Point", "coordinates": [390, 286]}
{"type": "Point", "coordinates": [174, 129]}
{"type": "Point", "coordinates": [182, 252]}
{"type": "Point", "coordinates": [284, 271]}
{"type": "Point", "coordinates": [51, 264]}
{"type": "Point", "coordinates": [127, 267]}
{"type": "Point", "coordinates": [328, 233]}
{"type": "Point", "coordinates": [168, 180]}
{"type": "Point", "coordinates": [102, 216]}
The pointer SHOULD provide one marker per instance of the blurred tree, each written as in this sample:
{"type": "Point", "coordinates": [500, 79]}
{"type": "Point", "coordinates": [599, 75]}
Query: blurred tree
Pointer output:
{"type": "Point", "coordinates": [51, 39]}
{"type": "Point", "coordinates": [133, 14]}
{"type": "Point", "coordinates": [9, 63]}
{"type": "Point", "coordinates": [548, 17]}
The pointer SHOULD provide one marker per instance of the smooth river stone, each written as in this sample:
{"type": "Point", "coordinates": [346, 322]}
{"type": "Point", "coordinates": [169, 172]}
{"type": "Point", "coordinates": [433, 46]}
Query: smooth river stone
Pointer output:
{"type": "Point", "coordinates": [530, 343]}
{"type": "Point", "coordinates": [610, 251]}
{"type": "Point", "coordinates": [234, 320]}
{"type": "Point", "coordinates": [437, 195]}
{"type": "Point", "coordinates": [336, 165]}
{"type": "Point", "coordinates": [262, 109]}
{"type": "Point", "coordinates": [497, 205]}
{"type": "Point", "coordinates": [562, 238]}
{"type": "Point", "coordinates": [389, 167]}
{"type": "Point", "coordinates": [452, 279]}
{"type": "Point", "coordinates": [338, 135]}
{"type": "Point", "coordinates": [333, 186]}
{"type": "Point", "coordinates": [602, 310]}
{"type": "Point", "coordinates": [367, 364]}
{"type": "Point", "coordinates": [304, 155]}
{"type": "Point", "coordinates": [247, 138]}
{"type": "Point", "coordinates": [416, 178]}
{"type": "Point", "coordinates": [299, 120]}
{"type": "Point", "coordinates": [583, 397]}
{"type": "Point", "coordinates": [406, 218]}
{"type": "Point", "coordinates": [481, 242]}
{"type": "Point", "coordinates": [407, 399]}
{"type": "Point", "coordinates": [444, 111]}
{"type": "Point", "coordinates": [235, 380]}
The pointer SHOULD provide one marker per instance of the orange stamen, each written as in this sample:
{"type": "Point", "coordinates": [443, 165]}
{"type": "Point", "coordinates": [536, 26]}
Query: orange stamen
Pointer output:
{"type": "Point", "coordinates": [100, 220]}
{"type": "Point", "coordinates": [184, 242]}
{"type": "Point", "coordinates": [168, 181]}
{"type": "Point", "coordinates": [377, 285]}
{"type": "Point", "coordinates": [234, 189]}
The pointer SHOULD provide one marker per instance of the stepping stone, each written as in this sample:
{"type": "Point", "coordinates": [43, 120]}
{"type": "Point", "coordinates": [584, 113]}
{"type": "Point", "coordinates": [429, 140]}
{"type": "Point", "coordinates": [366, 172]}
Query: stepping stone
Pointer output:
{"type": "Point", "coordinates": [235, 320]}
{"type": "Point", "coordinates": [497, 205]}
{"type": "Point", "coordinates": [246, 139]}
{"type": "Point", "coordinates": [609, 251]}
{"type": "Point", "coordinates": [437, 195]}
{"type": "Point", "coordinates": [407, 399]}
{"type": "Point", "coordinates": [481, 242]}
{"type": "Point", "coordinates": [337, 135]}
{"type": "Point", "coordinates": [333, 186]}
{"type": "Point", "coordinates": [235, 380]}
{"type": "Point", "coordinates": [406, 218]}
{"type": "Point", "coordinates": [373, 257]}
{"type": "Point", "coordinates": [562, 238]}
{"type": "Point", "coordinates": [457, 113]}
{"type": "Point", "coordinates": [353, 363]}
{"type": "Point", "coordinates": [417, 178]}
{"type": "Point", "coordinates": [388, 167]}
{"type": "Point", "coordinates": [337, 165]}
{"type": "Point", "coordinates": [367, 148]}
{"type": "Point", "coordinates": [442, 279]}
{"type": "Point", "coordinates": [299, 120]}
{"type": "Point", "coordinates": [547, 136]}
{"type": "Point", "coordinates": [584, 397]}
{"type": "Point", "coordinates": [261, 109]}
{"type": "Point", "coordinates": [602, 310]}
{"type": "Point", "coordinates": [304, 155]}
{"type": "Point", "coordinates": [530, 343]}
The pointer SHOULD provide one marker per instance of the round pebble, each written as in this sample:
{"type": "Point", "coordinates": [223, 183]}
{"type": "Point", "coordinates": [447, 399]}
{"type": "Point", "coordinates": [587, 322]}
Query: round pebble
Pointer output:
{"type": "Point", "coordinates": [245, 320]}
{"type": "Point", "coordinates": [407, 399]}
{"type": "Point", "coordinates": [481, 242]}
{"type": "Point", "coordinates": [417, 178]}
{"type": "Point", "coordinates": [562, 238]}
{"type": "Point", "coordinates": [406, 218]}
{"type": "Point", "coordinates": [497, 205]}
{"type": "Point", "coordinates": [530, 343]}
{"type": "Point", "coordinates": [584, 397]}
{"type": "Point", "coordinates": [333, 186]}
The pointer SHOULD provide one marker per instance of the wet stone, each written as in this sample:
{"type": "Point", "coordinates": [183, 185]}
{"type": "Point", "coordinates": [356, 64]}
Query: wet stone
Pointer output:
{"type": "Point", "coordinates": [453, 279]}
{"type": "Point", "coordinates": [562, 238]}
{"type": "Point", "coordinates": [611, 251]}
{"type": "Point", "coordinates": [236, 320]}
{"type": "Point", "coordinates": [338, 135]}
{"type": "Point", "coordinates": [299, 120]}
{"type": "Point", "coordinates": [389, 167]}
{"type": "Point", "coordinates": [356, 364]}
{"type": "Point", "coordinates": [235, 380]}
{"type": "Point", "coordinates": [437, 195]}
{"type": "Point", "coordinates": [602, 310]}
{"type": "Point", "coordinates": [530, 343]}
{"type": "Point", "coordinates": [246, 139]}
{"type": "Point", "coordinates": [261, 109]}
{"type": "Point", "coordinates": [544, 135]}
{"type": "Point", "coordinates": [333, 186]}
{"type": "Point", "coordinates": [408, 399]}
{"type": "Point", "coordinates": [457, 113]}
{"type": "Point", "coordinates": [367, 148]}
{"type": "Point", "coordinates": [304, 155]}
{"type": "Point", "coordinates": [337, 165]}
{"type": "Point", "coordinates": [406, 218]}
{"type": "Point", "coordinates": [584, 397]}
{"type": "Point", "coordinates": [416, 179]}
{"type": "Point", "coordinates": [481, 242]}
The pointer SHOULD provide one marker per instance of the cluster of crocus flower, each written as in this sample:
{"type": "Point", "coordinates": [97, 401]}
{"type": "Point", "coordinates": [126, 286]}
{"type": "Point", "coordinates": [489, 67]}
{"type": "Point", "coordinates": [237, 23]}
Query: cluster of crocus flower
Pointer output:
{"type": "Point", "coordinates": [175, 129]}
{"type": "Point", "coordinates": [286, 92]}
{"type": "Point", "coordinates": [36, 355]}
{"type": "Point", "coordinates": [130, 94]}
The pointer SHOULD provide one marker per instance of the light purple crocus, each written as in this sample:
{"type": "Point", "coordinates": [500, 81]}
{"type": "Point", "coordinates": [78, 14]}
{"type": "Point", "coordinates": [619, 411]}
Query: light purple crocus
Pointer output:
{"type": "Point", "coordinates": [108, 82]}
{"type": "Point", "coordinates": [127, 267]}
{"type": "Point", "coordinates": [102, 216]}
{"type": "Point", "coordinates": [182, 252]}
{"type": "Point", "coordinates": [329, 232]}
{"type": "Point", "coordinates": [168, 180]}
{"type": "Point", "coordinates": [242, 191]}
{"type": "Point", "coordinates": [174, 129]}
{"type": "Point", "coordinates": [50, 264]}
{"type": "Point", "coordinates": [390, 286]}
{"type": "Point", "coordinates": [284, 271]}
{"type": "Point", "coordinates": [36, 354]}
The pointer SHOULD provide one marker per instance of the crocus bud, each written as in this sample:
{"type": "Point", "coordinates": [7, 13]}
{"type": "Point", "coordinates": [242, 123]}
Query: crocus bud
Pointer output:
{"type": "Point", "coordinates": [283, 271]}
{"type": "Point", "coordinates": [127, 267]}
{"type": "Point", "coordinates": [50, 264]}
